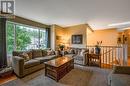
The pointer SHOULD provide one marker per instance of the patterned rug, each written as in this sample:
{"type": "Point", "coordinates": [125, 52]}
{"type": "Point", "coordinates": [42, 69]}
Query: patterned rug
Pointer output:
{"type": "Point", "coordinates": [80, 76]}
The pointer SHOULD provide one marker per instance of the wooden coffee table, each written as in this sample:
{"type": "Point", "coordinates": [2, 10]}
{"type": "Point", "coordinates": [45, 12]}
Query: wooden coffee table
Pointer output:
{"type": "Point", "coordinates": [59, 67]}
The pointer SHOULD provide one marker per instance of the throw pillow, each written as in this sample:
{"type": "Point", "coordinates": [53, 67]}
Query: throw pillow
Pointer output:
{"type": "Point", "coordinates": [36, 53]}
{"type": "Point", "coordinates": [25, 56]}
{"type": "Point", "coordinates": [44, 52]}
{"type": "Point", "coordinates": [70, 51]}
{"type": "Point", "coordinates": [79, 51]}
{"type": "Point", "coordinates": [50, 52]}
{"type": "Point", "coordinates": [82, 52]}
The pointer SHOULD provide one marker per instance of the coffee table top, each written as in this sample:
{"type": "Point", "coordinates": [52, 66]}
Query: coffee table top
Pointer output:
{"type": "Point", "coordinates": [58, 61]}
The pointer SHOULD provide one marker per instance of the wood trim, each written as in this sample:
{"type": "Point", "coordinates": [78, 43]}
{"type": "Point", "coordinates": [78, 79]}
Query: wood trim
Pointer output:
{"type": "Point", "coordinates": [28, 22]}
{"type": "Point", "coordinates": [90, 28]}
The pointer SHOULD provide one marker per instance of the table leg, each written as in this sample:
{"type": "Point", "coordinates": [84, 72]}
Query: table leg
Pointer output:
{"type": "Point", "coordinates": [45, 70]}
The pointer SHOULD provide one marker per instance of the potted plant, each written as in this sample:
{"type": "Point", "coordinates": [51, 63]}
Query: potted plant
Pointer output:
{"type": "Point", "coordinates": [61, 46]}
{"type": "Point", "coordinates": [97, 47]}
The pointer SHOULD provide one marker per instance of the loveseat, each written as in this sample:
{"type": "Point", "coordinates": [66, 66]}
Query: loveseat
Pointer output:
{"type": "Point", "coordinates": [79, 55]}
{"type": "Point", "coordinates": [37, 57]}
{"type": "Point", "coordinates": [120, 76]}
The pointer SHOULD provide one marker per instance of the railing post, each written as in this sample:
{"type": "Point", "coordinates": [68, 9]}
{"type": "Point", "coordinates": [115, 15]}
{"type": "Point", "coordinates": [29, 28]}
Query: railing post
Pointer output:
{"type": "Point", "coordinates": [125, 54]}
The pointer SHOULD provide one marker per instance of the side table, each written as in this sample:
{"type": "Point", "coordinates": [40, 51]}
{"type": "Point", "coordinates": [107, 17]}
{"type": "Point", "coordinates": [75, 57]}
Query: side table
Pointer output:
{"type": "Point", "coordinates": [94, 59]}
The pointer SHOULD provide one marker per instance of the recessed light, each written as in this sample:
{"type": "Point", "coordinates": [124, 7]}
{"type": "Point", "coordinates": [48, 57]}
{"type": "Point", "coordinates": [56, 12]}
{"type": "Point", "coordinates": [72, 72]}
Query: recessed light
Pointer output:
{"type": "Point", "coordinates": [118, 24]}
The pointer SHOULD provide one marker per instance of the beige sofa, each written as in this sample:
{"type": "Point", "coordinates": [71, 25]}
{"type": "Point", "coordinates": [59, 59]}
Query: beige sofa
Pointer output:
{"type": "Point", "coordinates": [120, 76]}
{"type": "Point", "coordinates": [78, 59]}
{"type": "Point", "coordinates": [36, 62]}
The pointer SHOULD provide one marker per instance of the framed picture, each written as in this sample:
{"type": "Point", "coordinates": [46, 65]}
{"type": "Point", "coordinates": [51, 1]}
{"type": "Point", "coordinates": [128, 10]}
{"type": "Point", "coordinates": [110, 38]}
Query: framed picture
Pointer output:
{"type": "Point", "coordinates": [77, 39]}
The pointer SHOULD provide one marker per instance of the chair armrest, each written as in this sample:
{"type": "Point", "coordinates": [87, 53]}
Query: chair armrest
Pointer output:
{"type": "Point", "coordinates": [121, 70]}
{"type": "Point", "coordinates": [18, 65]}
{"type": "Point", "coordinates": [85, 59]}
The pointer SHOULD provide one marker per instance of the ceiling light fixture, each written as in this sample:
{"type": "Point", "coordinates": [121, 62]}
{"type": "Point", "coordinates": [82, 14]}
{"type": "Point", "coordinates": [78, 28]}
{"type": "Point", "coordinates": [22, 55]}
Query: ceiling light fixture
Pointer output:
{"type": "Point", "coordinates": [118, 24]}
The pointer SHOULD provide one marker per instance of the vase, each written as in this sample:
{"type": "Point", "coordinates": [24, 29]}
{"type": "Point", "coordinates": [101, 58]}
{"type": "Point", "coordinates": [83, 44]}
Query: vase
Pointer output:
{"type": "Point", "coordinates": [97, 50]}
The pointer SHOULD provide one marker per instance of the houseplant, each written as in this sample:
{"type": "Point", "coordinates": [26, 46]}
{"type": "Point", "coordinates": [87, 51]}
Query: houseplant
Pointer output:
{"type": "Point", "coordinates": [61, 46]}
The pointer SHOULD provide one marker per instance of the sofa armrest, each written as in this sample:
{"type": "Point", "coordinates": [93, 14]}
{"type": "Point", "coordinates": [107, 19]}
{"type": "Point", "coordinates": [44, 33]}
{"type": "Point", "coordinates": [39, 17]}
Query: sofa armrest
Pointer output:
{"type": "Point", "coordinates": [121, 70]}
{"type": "Point", "coordinates": [18, 65]}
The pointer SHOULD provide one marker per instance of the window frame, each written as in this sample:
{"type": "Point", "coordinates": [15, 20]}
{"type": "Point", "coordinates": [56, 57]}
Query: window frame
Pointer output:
{"type": "Point", "coordinates": [33, 27]}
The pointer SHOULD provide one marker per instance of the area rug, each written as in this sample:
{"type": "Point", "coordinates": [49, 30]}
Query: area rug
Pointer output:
{"type": "Point", "coordinates": [80, 76]}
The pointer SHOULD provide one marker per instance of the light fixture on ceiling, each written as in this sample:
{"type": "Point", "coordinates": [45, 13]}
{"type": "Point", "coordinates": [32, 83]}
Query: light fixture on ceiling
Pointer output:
{"type": "Point", "coordinates": [119, 24]}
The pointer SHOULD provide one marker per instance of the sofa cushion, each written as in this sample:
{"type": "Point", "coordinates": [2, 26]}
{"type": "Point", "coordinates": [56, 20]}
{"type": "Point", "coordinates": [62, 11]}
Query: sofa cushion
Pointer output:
{"type": "Point", "coordinates": [17, 53]}
{"type": "Point", "coordinates": [120, 80]}
{"type": "Point", "coordinates": [44, 52]}
{"type": "Point", "coordinates": [78, 57]}
{"type": "Point", "coordinates": [46, 58]}
{"type": "Point", "coordinates": [70, 55]}
{"type": "Point", "coordinates": [29, 54]}
{"type": "Point", "coordinates": [70, 51]}
{"type": "Point", "coordinates": [121, 70]}
{"type": "Point", "coordinates": [50, 52]}
{"type": "Point", "coordinates": [31, 63]}
{"type": "Point", "coordinates": [25, 56]}
{"type": "Point", "coordinates": [82, 52]}
{"type": "Point", "coordinates": [36, 53]}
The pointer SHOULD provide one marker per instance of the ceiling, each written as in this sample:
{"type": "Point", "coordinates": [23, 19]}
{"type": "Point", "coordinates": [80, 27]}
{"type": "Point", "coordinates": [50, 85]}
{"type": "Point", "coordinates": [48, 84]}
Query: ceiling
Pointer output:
{"type": "Point", "coordinates": [97, 13]}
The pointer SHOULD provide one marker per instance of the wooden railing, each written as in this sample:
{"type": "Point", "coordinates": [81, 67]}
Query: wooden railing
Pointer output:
{"type": "Point", "coordinates": [112, 55]}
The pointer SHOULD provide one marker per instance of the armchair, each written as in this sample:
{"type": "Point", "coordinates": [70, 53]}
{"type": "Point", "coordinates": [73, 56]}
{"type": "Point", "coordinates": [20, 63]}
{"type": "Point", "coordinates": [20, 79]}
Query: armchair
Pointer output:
{"type": "Point", "coordinates": [78, 57]}
{"type": "Point", "coordinates": [120, 76]}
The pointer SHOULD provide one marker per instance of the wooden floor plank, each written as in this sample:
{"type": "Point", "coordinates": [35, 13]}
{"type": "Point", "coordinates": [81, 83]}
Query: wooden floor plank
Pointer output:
{"type": "Point", "coordinates": [7, 79]}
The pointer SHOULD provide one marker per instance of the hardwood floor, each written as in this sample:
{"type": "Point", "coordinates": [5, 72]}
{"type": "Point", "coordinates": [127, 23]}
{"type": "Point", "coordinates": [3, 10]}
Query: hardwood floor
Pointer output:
{"type": "Point", "coordinates": [7, 79]}
{"type": "Point", "coordinates": [128, 61]}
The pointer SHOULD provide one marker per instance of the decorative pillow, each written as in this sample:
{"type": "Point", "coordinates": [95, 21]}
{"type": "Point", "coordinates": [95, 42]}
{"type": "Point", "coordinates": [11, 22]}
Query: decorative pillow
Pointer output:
{"type": "Point", "coordinates": [82, 52]}
{"type": "Point", "coordinates": [29, 54]}
{"type": "Point", "coordinates": [44, 52]}
{"type": "Point", "coordinates": [36, 53]}
{"type": "Point", "coordinates": [76, 51]}
{"type": "Point", "coordinates": [70, 51]}
{"type": "Point", "coordinates": [50, 52]}
{"type": "Point", "coordinates": [79, 51]}
{"type": "Point", "coordinates": [25, 56]}
{"type": "Point", "coordinates": [53, 52]}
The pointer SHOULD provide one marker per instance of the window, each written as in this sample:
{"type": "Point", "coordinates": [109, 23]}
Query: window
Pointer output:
{"type": "Point", "coordinates": [10, 37]}
{"type": "Point", "coordinates": [23, 37]}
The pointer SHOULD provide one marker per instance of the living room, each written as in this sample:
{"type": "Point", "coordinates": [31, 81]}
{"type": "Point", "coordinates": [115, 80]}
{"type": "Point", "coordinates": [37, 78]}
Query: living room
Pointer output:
{"type": "Point", "coordinates": [64, 43]}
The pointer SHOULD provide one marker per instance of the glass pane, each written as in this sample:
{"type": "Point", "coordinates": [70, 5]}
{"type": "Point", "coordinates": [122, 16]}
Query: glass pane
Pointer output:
{"type": "Point", "coordinates": [34, 34]}
{"type": "Point", "coordinates": [43, 39]}
{"type": "Point", "coordinates": [10, 38]}
{"type": "Point", "coordinates": [23, 38]}
{"type": "Point", "coordinates": [27, 38]}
